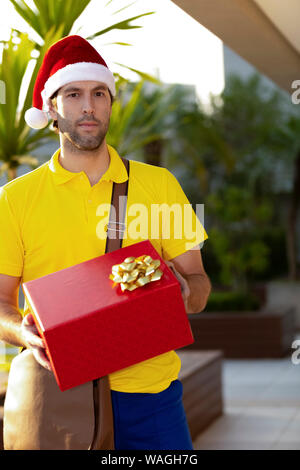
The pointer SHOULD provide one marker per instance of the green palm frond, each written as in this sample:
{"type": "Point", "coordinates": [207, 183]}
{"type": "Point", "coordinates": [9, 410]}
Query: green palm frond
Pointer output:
{"type": "Point", "coordinates": [64, 13]}
{"type": "Point", "coordinates": [15, 59]}
{"type": "Point", "coordinates": [126, 24]}
{"type": "Point", "coordinates": [141, 115]}
{"type": "Point", "coordinates": [142, 75]}
{"type": "Point", "coordinates": [17, 140]}
{"type": "Point", "coordinates": [124, 8]}
{"type": "Point", "coordinates": [49, 13]}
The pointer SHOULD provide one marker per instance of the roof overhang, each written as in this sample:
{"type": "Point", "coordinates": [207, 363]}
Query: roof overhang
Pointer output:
{"type": "Point", "coordinates": [264, 32]}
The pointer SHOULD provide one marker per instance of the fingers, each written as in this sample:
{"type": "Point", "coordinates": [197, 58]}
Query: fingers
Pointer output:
{"type": "Point", "coordinates": [41, 357]}
{"type": "Point", "coordinates": [172, 267]}
{"type": "Point", "coordinates": [31, 337]}
{"type": "Point", "coordinates": [185, 290]}
{"type": "Point", "coordinates": [28, 320]}
{"type": "Point", "coordinates": [34, 342]}
{"type": "Point", "coordinates": [169, 263]}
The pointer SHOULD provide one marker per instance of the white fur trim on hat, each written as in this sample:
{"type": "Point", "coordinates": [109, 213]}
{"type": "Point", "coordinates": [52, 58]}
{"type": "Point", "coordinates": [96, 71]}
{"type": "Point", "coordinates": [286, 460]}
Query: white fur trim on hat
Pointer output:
{"type": "Point", "coordinates": [36, 118]}
{"type": "Point", "coordinates": [77, 72]}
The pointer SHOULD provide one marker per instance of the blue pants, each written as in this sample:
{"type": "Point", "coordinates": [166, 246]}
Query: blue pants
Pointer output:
{"type": "Point", "coordinates": [151, 421]}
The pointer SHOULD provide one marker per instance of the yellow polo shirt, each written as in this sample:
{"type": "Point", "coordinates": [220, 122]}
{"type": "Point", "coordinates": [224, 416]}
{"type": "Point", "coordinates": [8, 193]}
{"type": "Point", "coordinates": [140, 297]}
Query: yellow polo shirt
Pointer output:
{"type": "Point", "coordinates": [52, 218]}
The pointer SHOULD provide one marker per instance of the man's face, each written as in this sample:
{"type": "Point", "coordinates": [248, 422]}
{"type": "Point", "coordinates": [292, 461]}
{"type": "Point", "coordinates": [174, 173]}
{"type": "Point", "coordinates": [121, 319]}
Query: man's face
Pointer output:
{"type": "Point", "coordinates": [83, 112]}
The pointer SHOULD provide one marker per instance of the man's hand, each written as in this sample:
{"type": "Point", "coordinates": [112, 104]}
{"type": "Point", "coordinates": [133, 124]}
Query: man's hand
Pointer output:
{"type": "Point", "coordinates": [185, 290]}
{"type": "Point", "coordinates": [190, 272]}
{"type": "Point", "coordinates": [33, 341]}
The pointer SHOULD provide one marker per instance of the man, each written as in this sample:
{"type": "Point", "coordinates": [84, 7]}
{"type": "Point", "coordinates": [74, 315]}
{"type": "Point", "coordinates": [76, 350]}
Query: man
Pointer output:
{"type": "Point", "coordinates": [49, 220]}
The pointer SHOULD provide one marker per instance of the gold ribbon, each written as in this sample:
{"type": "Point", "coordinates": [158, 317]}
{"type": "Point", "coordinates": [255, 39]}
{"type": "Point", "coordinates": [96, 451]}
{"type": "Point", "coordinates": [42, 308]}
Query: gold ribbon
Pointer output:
{"type": "Point", "coordinates": [136, 272]}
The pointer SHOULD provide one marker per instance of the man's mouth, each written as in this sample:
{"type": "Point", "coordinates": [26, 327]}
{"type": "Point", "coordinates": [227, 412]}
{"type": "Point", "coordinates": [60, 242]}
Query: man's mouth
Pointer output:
{"type": "Point", "coordinates": [88, 125]}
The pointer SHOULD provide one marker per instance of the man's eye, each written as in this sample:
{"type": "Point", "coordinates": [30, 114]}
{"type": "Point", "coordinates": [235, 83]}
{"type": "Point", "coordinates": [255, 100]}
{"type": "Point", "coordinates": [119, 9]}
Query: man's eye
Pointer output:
{"type": "Point", "coordinates": [99, 93]}
{"type": "Point", "coordinates": [73, 94]}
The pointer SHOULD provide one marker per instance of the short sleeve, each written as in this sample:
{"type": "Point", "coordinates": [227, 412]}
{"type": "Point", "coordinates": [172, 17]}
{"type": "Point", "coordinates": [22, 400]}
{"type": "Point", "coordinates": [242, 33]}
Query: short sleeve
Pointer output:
{"type": "Point", "coordinates": [181, 226]}
{"type": "Point", "coordinates": [11, 246]}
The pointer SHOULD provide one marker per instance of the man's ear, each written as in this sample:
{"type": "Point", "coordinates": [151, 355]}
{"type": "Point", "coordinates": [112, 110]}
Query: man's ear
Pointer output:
{"type": "Point", "coordinates": [52, 110]}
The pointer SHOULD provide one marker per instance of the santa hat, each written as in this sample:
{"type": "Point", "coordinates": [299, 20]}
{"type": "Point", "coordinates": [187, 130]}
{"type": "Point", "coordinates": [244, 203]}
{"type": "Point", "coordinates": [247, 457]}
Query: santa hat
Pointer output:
{"type": "Point", "coordinates": [69, 59]}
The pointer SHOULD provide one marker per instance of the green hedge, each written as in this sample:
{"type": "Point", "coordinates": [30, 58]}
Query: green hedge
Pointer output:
{"type": "Point", "coordinates": [232, 301]}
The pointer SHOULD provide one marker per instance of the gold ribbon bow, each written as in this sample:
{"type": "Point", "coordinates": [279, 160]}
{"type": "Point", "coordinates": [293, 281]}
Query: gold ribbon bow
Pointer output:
{"type": "Point", "coordinates": [136, 272]}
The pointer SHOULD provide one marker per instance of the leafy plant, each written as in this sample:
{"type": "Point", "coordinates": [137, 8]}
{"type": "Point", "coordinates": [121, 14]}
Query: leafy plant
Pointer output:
{"type": "Point", "coordinates": [235, 157]}
{"type": "Point", "coordinates": [17, 140]}
{"type": "Point", "coordinates": [51, 20]}
{"type": "Point", "coordinates": [238, 222]}
{"type": "Point", "coordinates": [143, 113]}
{"type": "Point", "coordinates": [60, 15]}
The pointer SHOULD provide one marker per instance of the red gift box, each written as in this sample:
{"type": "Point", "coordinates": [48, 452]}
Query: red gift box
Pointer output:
{"type": "Point", "coordinates": [91, 328]}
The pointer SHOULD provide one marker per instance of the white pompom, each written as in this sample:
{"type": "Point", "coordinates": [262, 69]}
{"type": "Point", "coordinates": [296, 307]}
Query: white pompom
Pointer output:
{"type": "Point", "coordinates": [36, 118]}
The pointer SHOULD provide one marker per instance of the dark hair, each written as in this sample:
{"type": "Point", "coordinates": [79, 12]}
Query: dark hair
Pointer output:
{"type": "Point", "coordinates": [54, 123]}
{"type": "Point", "coordinates": [112, 99]}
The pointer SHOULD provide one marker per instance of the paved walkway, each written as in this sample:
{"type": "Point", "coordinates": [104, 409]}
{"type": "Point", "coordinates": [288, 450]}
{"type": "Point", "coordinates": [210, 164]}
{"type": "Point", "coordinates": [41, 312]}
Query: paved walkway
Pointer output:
{"type": "Point", "coordinates": [261, 407]}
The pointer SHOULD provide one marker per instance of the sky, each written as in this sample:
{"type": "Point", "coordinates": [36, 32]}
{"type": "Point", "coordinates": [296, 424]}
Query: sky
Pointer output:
{"type": "Point", "coordinates": [171, 45]}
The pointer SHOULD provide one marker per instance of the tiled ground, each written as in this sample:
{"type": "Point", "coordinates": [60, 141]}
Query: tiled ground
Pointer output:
{"type": "Point", "coordinates": [261, 407]}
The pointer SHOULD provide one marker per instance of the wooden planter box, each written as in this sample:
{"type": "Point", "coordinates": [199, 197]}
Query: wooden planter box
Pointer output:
{"type": "Point", "coordinates": [201, 377]}
{"type": "Point", "coordinates": [260, 334]}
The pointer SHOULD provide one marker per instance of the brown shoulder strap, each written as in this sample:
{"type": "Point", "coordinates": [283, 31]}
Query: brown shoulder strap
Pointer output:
{"type": "Point", "coordinates": [103, 427]}
{"type": "Point", "coordinates": [116, 225]}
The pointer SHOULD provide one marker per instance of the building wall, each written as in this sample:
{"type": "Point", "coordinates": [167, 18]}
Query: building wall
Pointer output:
{"type": "Point", "coordinates": [235, 64]}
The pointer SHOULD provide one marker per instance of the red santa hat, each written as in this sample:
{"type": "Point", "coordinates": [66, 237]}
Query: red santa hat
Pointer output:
{"type": "Point", "coordinates": [69, 59]}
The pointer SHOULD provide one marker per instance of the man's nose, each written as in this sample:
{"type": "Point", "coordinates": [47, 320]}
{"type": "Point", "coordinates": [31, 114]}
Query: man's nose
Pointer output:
{"type": "Point", "coordinates": [88, 105]}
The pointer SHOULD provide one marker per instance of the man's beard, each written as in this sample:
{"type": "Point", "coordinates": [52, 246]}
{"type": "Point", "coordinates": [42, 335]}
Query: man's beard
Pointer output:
{"type": "Point", "coordinates": [83, 142]}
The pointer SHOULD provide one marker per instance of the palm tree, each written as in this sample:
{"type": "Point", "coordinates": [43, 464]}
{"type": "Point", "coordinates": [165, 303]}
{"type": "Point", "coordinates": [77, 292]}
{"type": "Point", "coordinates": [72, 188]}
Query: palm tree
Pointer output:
{"type": "Point", "coordinates": [51, 20]}
{"type": "Point", "coordinates": [17, 140]}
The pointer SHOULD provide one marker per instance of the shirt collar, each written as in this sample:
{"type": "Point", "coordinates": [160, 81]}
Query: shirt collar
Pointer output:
{"type": "Point", "coordinates": [116, 170]}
